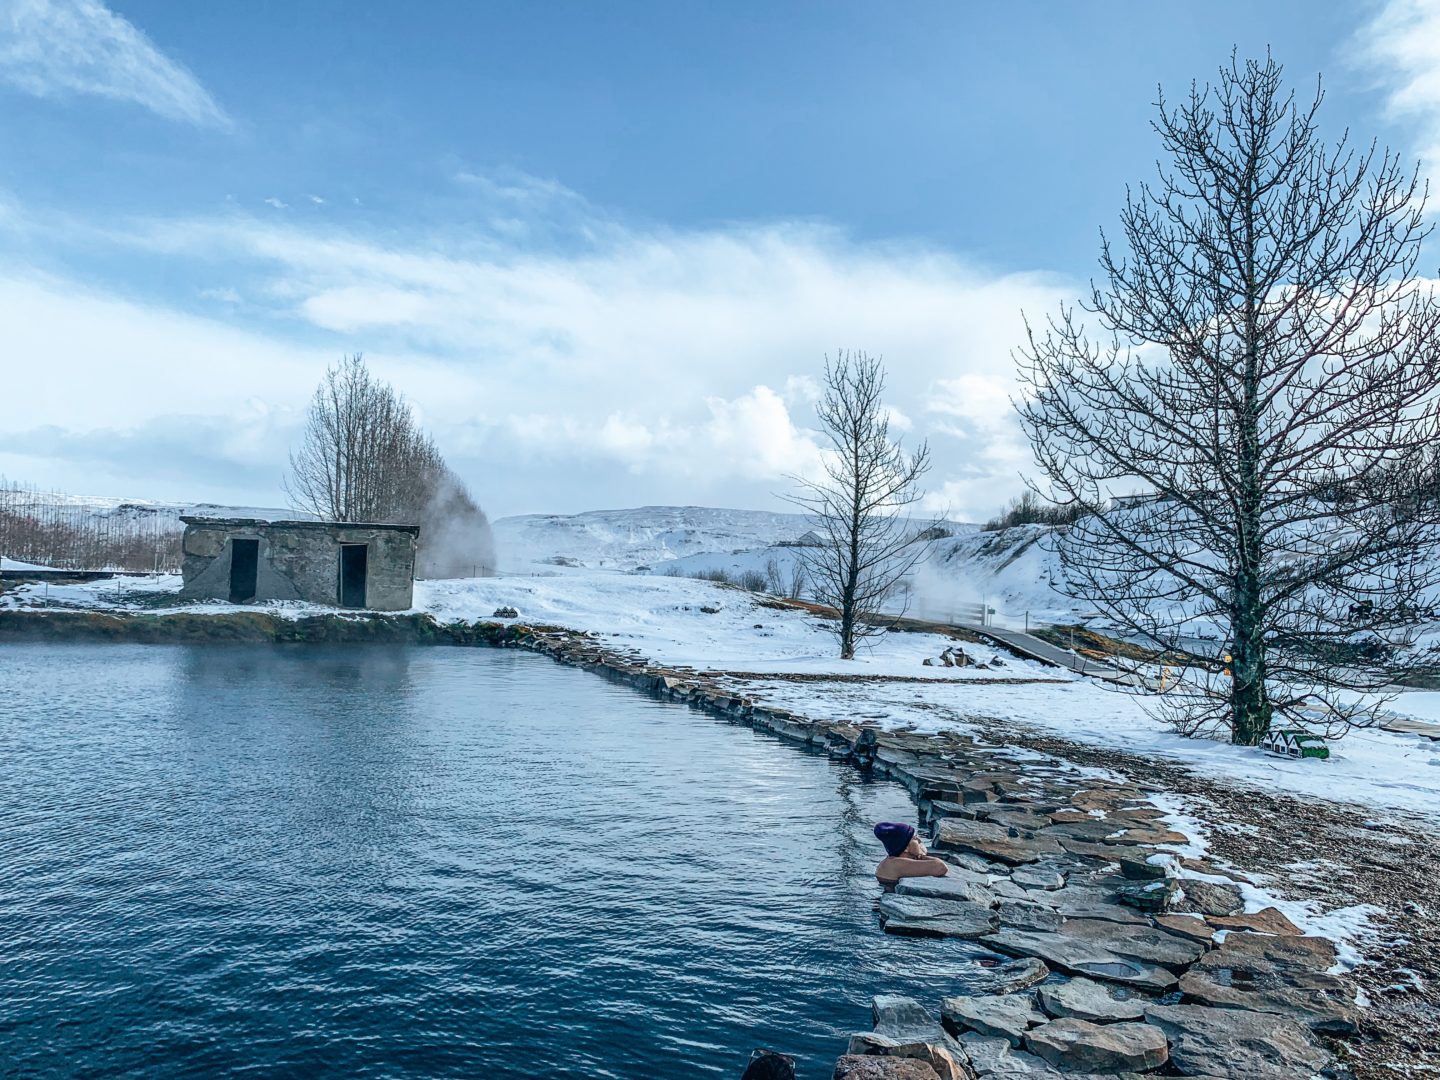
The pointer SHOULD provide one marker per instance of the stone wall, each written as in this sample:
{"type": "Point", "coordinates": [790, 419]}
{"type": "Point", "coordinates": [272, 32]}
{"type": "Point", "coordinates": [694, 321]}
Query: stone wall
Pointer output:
{"type": "Point", "coordinates": [300, 560]}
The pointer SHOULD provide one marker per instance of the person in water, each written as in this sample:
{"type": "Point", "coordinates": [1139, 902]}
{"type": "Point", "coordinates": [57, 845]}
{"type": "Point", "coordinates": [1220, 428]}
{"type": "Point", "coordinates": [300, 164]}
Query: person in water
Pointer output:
{"type": "Point", "coordinates": [905, 855]}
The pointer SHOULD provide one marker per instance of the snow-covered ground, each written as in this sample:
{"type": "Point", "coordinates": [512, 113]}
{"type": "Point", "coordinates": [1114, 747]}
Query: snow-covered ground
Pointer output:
{"type": "Point", "coordinates": [16, 564]}
{"type": "Point", "coordinates": [696, 624]}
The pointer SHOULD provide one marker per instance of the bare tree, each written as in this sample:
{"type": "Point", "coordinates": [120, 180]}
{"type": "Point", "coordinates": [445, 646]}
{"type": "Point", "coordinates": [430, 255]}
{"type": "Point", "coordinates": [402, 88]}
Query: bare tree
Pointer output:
{"type": "Point", "coordinates": [868, 544]}
{"type": "Point", "coordinates": [1266, 373]}
{"type": "Point", "coordinates": [364, 458]}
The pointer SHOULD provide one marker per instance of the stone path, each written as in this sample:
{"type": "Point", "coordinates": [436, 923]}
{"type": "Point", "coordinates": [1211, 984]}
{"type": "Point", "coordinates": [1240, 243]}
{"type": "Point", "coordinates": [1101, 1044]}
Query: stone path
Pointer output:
{"type": "Point", "coordinates": [1147, 965]}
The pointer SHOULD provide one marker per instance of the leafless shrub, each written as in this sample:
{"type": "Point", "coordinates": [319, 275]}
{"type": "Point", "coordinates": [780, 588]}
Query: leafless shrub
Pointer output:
{"type": "Point", "coordinates": [1029, 508]}
{"type": "Point", "coordinates": [752, 581]}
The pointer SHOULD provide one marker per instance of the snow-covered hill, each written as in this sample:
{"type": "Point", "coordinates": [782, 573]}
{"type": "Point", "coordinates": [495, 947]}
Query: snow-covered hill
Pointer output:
{"type": "Point", "coordinates": [1010, 571]}
{"type": "Point", "coordinates": [646, 536]}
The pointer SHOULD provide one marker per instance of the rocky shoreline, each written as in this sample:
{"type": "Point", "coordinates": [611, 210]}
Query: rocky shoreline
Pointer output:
{"type": "Point", "coordinates": [1115, 954]}
{"type": "Point", "coordinates": [1069, 877]}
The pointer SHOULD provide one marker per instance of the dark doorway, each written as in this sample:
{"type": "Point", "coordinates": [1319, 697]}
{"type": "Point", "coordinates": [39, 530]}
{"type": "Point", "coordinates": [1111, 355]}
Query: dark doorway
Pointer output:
{"type": "Point", "coordinates": [354, 561]}
{"type": "Point", "coordinates": [244, 563]}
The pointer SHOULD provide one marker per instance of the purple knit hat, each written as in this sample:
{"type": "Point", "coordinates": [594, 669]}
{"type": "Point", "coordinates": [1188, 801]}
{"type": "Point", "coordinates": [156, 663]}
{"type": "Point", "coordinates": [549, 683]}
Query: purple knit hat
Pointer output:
{"type": "Point", "coordinates": [895, 836]}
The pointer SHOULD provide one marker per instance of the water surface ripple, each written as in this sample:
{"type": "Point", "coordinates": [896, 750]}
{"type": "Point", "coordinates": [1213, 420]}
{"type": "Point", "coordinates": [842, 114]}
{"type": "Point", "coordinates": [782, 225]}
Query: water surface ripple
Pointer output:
{"type": "Point", "coordinates": [363, 862]}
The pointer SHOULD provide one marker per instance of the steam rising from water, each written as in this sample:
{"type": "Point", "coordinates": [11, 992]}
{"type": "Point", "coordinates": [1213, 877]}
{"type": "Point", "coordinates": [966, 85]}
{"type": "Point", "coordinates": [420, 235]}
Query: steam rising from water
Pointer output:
{"type": "Point", "coordinates": [455, 536]}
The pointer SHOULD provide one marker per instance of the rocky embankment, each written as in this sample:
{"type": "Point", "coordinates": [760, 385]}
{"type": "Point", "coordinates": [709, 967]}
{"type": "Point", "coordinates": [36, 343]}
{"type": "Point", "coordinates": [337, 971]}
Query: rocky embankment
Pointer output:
{"type": "Point", "coordinates": [1113, 954]}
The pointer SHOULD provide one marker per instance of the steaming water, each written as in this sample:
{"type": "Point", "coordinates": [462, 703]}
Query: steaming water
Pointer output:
{"type": "Point", "coordinates": [368, 863]}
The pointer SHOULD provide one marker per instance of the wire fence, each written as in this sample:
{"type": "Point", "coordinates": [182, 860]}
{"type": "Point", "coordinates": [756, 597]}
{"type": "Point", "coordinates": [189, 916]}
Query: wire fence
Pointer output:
{"type": "Point", "coordinates": [50, 529]}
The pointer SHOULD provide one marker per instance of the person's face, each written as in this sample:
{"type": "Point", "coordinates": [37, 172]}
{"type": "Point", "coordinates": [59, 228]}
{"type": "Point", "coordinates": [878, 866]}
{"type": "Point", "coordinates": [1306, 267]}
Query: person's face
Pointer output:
{"type": "Point", "coordinates": [916, 848]}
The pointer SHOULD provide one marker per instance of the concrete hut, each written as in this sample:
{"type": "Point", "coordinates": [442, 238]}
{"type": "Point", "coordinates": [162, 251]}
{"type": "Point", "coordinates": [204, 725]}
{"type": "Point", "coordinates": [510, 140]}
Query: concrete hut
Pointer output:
{"type": "Point", "coordinates": [337, 563]}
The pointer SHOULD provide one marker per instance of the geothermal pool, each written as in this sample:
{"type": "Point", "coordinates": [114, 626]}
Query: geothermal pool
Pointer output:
{"type": "Point", "coordinates": [367, 862]}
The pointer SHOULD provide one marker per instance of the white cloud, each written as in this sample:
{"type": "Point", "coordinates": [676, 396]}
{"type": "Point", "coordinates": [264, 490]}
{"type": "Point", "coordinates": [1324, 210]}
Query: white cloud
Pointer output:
{"type": "Point", "coordinates": [983, 398]}
{"type": "Point", "coordinates": [649, 365]}
{"type": "Point", "coordinates": [277, 203]}
{"type": "Point", "coordinates": [1402, 44]}
{"type": "Point", "coordinates": [56, 48]}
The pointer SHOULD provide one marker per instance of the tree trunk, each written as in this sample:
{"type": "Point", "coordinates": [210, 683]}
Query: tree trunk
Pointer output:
{"type": "Point", "coordinates": [1249, 703]}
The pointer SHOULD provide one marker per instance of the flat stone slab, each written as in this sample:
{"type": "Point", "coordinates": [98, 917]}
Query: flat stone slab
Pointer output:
{"type": "Point", "coordinates": [1317, 1001]}
{"type": "Point", "coordinates": [1006, 889]}
{"type": "Point", "coordinates": [1087, 830]}
{"type": "Point", "coordinates": [1153, 896]}
{"type": "Point", "coordinates": [1137, 865]}
{"type": "Point", "coordinates": [1233, 978]}
{"type": "Point", "coordinates": [1187, 926]}
{"type": "Point", "coordinates": [1012, 817]}
{"type": "Point", "coordinates": [904, 1029]}
{"type": "Point", "coordinates": [1077, 957]}
{"type": "Point", "coordinates": [1006, 1016]}
{"type": "Point", "coordinates": [926, 916]}
{"type": "Point", "coordinates": [1085, 902]}
{"type": "Point", "coordinates": [950, 808]}
{"type": "Point", "coordinates": [1087, 849]}
{"type": "Point", "coordinates": [1148, 944]}
{"type": "Point", "coordinates": [1014, 975]}
{"type": "Point", "coordinates": [992, 1057]}
{"type": "Point", "coordinates": [966, 861]}
{"type": "Point", "coordinates": [1150, 837]}
{"type": "Point", "coordinates": [1080, 1046]}
{"type": "Point", "coordinates": [1265, 921]}
{"type": "Point", "coordinates": [1038, 877]}
{"type": "Point", "coordinates": [1209, 897]}
{"type": "Point", "coordinates": [992, 841]}
{"type": "Point", "coordinates": [1083, 999]}
{"type": "Point", "coordinates": [1023, 915]}
{"type": "Point", "coordinates": [860, 1067]}
{"type": "Point", "coordinates": [1313, 953]}
{"type": "Point", "coordinates": [1237, 1044]}
{"type": "Point", "coordinates": [902, 1019]}
{"type": "Point", "coordinates": [958, 884]}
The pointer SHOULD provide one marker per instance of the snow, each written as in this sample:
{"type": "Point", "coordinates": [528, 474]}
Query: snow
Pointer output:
{"type": "Point", "coordinates": [1354, 929]}
{"type": "Point", "coordinates": [16, 564]}
{"type": "Point", "coordinates": [665, 619]}
{"type": "Point", "coordinates": [247, 513]}
{"type": "Point", "coordinates": [1417, 704]}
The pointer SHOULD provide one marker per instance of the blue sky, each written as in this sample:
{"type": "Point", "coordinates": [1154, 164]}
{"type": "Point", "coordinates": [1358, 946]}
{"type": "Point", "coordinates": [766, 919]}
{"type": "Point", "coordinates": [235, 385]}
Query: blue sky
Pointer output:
{"type": "Point", "coordinates": [604, 249]}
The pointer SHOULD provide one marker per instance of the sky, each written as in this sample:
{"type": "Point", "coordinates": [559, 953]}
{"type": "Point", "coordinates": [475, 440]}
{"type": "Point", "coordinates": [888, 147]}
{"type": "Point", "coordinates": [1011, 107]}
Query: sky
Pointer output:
{"type": "Point", "coordinates": [603, 250]}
